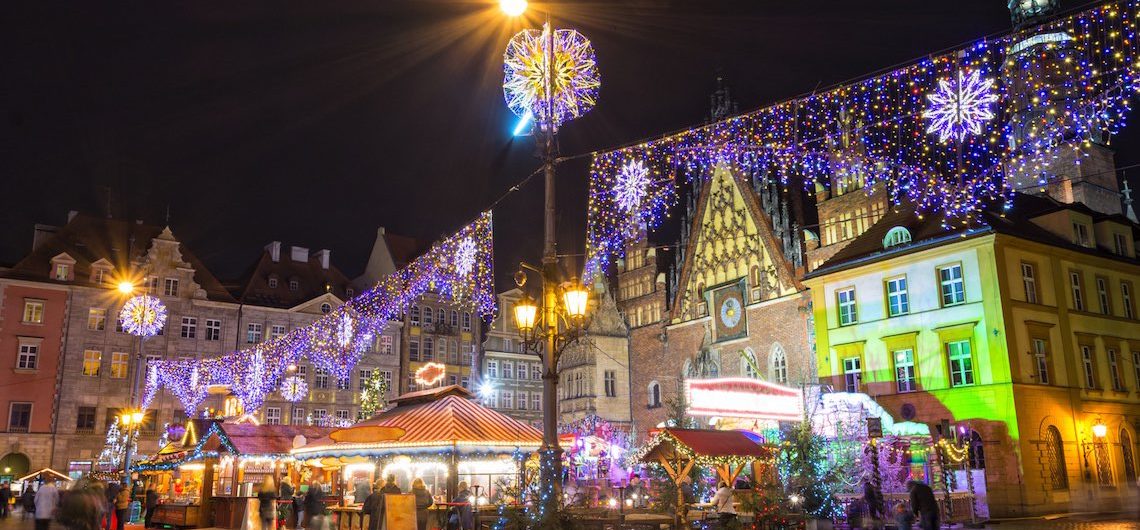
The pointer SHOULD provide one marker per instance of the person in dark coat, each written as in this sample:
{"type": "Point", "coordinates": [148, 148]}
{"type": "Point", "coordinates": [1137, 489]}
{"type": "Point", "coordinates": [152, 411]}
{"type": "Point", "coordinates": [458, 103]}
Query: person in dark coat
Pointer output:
{"type": "Point", "coordinates": [5, 497]}
{"type": "Point", "coordinates": [110, 492]}
{"type": "Point", "coordinates": [423, 502]}
{"type": "Point", "coordinates": [465, 515]}
{"type": "Point", "coordinates": [28, 501]}
{"type": "Point", "coordinates": [151, 504]}
{"type": "Point", "coordinates": [314, 502]}
{"type": "Point", "coordinates": [374, 507]}
{"type": "Point", "coordinates": [873, 500]}
{"type": "Point", "coordinates": [286, 494]}
{"type": "Point", "coordinates": [267, 503]}
{"type": "Point", "coordinates": [924, 505]}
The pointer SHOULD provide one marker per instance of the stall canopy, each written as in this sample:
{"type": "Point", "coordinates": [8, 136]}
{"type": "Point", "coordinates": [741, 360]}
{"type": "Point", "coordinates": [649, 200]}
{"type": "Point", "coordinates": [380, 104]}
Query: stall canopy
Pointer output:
{"type": "Point", "coordinates": [44, 474]}
{"type": "Point", "coordinates": [428, 421]}
{"type": "Point", "coordinates": [205, 438]}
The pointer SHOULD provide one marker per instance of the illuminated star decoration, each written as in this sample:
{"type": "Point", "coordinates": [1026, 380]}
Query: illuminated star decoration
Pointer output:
{"type": "Point", "coordinates": [631, 186]}
{"type": "Point", "coordinates": [960, 107]}
{"type": "Point", "coordinates": [143, 316]}
{"type": "Point", "coordinates": [294, 388]}
{"type": "Point", "coordinates": [573, 68]}
{"type": "Point", "coordinates": [465, 257]}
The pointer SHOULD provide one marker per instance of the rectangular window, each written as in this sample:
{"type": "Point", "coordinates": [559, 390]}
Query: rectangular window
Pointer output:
{"type": "Point", "coordinates": [611, 383]}
{"type": "Point", "coordinates": [1041, 361]}
{"type": "Point", "coordinates": [320, 379]}
{"type": "Point", "coordinates": [272, 416]}
{"type": "Point", "coordinates": [1078, 292]}
{"type": "Point", "coordinates": [961, 363]}
{"type": "Point", "coordinates": [1029, 281]}
{"type": "Point", "coordinates": [1136, 367]}
{"type": "Point", "coordinates": [85, 419]}
{"type": "Point", "coordinates": [904, 370]}
{"type": "Point", "coordinates": [189, 327]}
{"type": "Point", "coordinates": [492, 369]}
{"type": "Point", "coordinates": [92, 360]}
{"type": "Point", "coordinates": [365, 375]}
{"type": "Point", "coordinates": [508, 370]}
{"type": "Point", "coordinates": [33, 311]}
{"type": "Point", "coordinates": [152, 285]}
{"type": "Point", "coordinates": [1102, 295]}
{"type": "Point", "coordinates": [96, 319]}
{"type": "Point", "coordinates": [62, 272]}
{"type": "Point", "coordinates": [19, 417]}
{"type": "Point", "coordinates": [386, 344]}
{"type": "Point", "coordinates": [953, 288]}
{"type": "Point", "coordinates": [851, 374]}
{"type": "Point", "coordinates": [276, 331]}
{"type": "Point", "coordinates": [253, 333]}
{"type": "Point", "coordinates": [452, 380]}
{"type": "Point", "coordinates": [465, 353]}
{"type": "Point", "coordinates": [344, 383]}
{"type": "Point", "coordinates": [1126, 299]}
{"type": "Point", "coordinates": [1120, 243]}
{"type": "Point", "coordinates": [319, 416]}
{"type": "Point", "coordinates": [298, 416]}
{"type": "Point", "coordinates": [414, 349]}
{"type": "Point", "coordinates": [1087, 363]}
{"type": "Point", "coordinates": [28, 356]}
{"type": "Point", "coordinates": [466, 321]}
{"type": "Point", "coordinates": [508, 400]}
{"type": "Point", "coordinates": [170, 287]}
{"type": "Point", "coordinates": [119, 361]}
{"type": "Point", "coordinates": [429, 346]}
{"type": "Point", "coordinates": [535, 371]}
{"type": "Point", "coordinates": [213, 329]}
{"type": "Point", "coordinates": [465, 382]}
{"type": "Point", "coordinates": [342, 416]}
{"type": "Point", "coordinates": [1114, 371]}
{"type": "Point", "coordinates": [1081, 234]}
{"type": "Point", "coordinates": [387, 375]}
{"type": "Point", "coordinates": [897, 301]}
{"type": "Point", "coordinates": [847, 313]}
{"type": "Point", "coordinates": [521, 400]}
{"type": "Point", "coordinates": [536, 401]}
{"type": "Point", "coordinates": [98, 276]}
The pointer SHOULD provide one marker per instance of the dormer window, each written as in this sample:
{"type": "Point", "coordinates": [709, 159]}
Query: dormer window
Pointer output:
{"type": "Point", "coordinates": [1120, 244]}
{"type": "Point", "coordinates": [62, 271]}
{"type": "Point", "coordinates": [98, 276]}
{"type": "Point", "coordinates": [294, 284]}
{"type": "Point", "coordinates": [272, 282]}
{"type": "Point", "coordinates": [896, 236]}
{"type": "Point", "coordinates": [1081, 234]}
{"type": "Point", "coordinates": [350, 292]}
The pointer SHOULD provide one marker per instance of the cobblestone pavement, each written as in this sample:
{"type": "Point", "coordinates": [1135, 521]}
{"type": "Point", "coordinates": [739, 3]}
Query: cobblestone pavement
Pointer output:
{"type": "Point", "coordinates": [1083, 522]}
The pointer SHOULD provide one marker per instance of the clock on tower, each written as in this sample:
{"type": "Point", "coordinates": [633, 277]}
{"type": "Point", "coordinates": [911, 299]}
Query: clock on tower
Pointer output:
{"type": "Point", "coordinates": [728, 312]}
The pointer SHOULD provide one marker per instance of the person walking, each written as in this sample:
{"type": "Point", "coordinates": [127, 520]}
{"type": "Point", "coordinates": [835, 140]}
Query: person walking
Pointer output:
{"type": "Point", "coordinates": [5, 498]}
{"type": "Point", "coordinates": [924, 505]}
{"type": "Point", "coordinates": [286, 494]}
{"type": "Point", "coordinates": [724, 505]}
{"type": "Point", "coordinates": [874, 504]}
{"type": "Point", "coordinates": [110, 492]}
{"type": "Point", "coordinates": [45, 503]}
{"type": "Point", "coordinates": [122, 507]}
{"type": "Point", "coordinates": [267, 503]}
{"type": "Point", "coordinates": [150, 502]}
{"type": "Point", "coordinates": [314, 503]}
{"type": "Point", "coordinates": [423, 502]}
{"type": "Point", "coordinates": [28, 501]}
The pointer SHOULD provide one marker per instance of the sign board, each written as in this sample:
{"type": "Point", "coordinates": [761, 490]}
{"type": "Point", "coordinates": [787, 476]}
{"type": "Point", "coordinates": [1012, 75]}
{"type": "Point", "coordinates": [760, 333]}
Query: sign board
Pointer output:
{"type": "Point", "coordinates": [874, 427]}
{"type": "Point", "coordinates": [743, 397]}
{"type": "Point", "coordinates": [400, 511]}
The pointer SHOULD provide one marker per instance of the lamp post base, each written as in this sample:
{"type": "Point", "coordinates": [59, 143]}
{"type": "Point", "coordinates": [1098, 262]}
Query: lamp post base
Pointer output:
{"type": "Point", "coordinates": [549, 481]}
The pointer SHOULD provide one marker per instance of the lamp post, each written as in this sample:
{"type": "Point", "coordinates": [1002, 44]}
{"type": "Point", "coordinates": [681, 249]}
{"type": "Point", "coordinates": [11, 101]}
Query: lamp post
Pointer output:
{"type": "Point", "coordinates": [142, 316]}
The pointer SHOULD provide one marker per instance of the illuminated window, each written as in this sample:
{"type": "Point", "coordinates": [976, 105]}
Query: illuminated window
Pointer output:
{"type": "Point", "coordinates": [851, 374]}
{"type": "Point", "coordinates": [898, 302]}
{"type": "Point", "coordinates": [961, 363]}
{"type": "Point", "coordinates": [33, 311]}
{"type": "Point", "coordinates": [1087, 363]}
{"type": "Point", "coordinates": [1077, 290]}
{"type": "Point", "coordinates": [953, 288]}
{"type": "Point", "coordinates": [96, 319]}
{"type": "Point", "coordinates": [119, 362]}
{"type": "Point", "coordinates": [1029, 281]}
{"type": "Point", "coordinates": [1055, 459]}
{"type": "Point", "coordinates": [847, 314]}
{"type": "Point", "coordinates": [92, 361]}
{"type": "Point", "coordinates": [896, 236]}
{"type": "Point", "coordinates": [62, 271]}
{"type": "Point", "coordinates": [1114, 371]}
{"type": "Point", "coordinates": [1041, 361]}
{"type": "Point", "coordinates": [904, 370]}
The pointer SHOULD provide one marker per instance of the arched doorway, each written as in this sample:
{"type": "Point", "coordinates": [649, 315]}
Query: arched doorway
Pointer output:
{"type": "Point", "coordinates": [14, 465]}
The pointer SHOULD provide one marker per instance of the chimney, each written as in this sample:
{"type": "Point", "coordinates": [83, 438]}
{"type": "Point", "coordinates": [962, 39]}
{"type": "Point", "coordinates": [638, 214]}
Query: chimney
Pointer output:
{"type": "Point", "coordinates": [71, 215]}
{"type": "Point", "coordinates": [299, 254]}
{"type": "Point", "coordinates": [380, 231]}
{"type": "Point", "coordinates": [274, 249]}
{"type": "Point", "coordinates": [324, 254]}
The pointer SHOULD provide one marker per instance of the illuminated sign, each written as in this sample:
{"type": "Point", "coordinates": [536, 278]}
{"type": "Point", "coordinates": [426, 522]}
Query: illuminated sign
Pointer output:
{"type": "Point", "coordinates": [742, 397]}
{"type": "Point", "coordinates": [430, 374]}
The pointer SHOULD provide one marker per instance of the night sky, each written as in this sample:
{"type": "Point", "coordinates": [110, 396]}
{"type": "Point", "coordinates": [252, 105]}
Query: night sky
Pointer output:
{"type": "Point", "coordinates": [314, 123]}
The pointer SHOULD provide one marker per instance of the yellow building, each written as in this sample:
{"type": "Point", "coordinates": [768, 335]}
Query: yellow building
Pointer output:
{"type": "Point", "coordinates": [1022, 328]}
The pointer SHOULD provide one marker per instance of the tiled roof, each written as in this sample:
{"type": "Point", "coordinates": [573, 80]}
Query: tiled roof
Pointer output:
{"type": "Point", "coordinates": [707, 444]}
{"type": "Point", "coordinates": [311, 277]}
{"type": "Point", "coordinates": [88, 238]}
{"type": "Point", "coordinates": [404, 249]}
{"type": "Point", "coordinates": [250, 439]}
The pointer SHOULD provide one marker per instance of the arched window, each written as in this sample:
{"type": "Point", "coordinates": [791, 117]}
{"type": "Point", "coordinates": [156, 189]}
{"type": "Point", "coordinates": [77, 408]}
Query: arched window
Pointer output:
{"type": "Point", "coordinates": [778, 360]}
{"type": "Point", "coordinates": [976, 452]}
{"type": "Point", "coordinates": [466, 321]}
{"type": "Point", "coordinates": [654, 394]}
{"type": "Point", "coordinates": [455, 318]}
{"type": "Point", "coordinates": [896, 236]}
{"type": "Point", "coordinates": [748, 364]}
{"type": "Point", "coordinates": [1055, 459]}
{"type": "Point", "coordinates": [427, 316]}
{"type": "Point", "coordinates": [1129, 458]}
{"type": "Point", "coordinates": [441, 316]}
{"type": "Point", "coordinates": [415, 316]}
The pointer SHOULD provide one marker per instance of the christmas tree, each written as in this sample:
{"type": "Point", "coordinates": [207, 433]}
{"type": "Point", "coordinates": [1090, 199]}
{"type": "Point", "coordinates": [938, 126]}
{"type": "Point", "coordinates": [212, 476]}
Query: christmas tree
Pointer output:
{"type": "Point", "coordinates": [808, 473]}
{"type": "Point", "coordinates": [373, 397]}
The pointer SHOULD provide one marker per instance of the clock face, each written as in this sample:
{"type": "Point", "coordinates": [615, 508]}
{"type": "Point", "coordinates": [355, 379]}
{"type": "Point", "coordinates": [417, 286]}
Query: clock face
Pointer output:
{"type": "Point", "coordinates": [730, 311]}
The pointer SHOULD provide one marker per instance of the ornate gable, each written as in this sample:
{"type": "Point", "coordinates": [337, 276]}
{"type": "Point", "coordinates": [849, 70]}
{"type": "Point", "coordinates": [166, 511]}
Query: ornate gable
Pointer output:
{"type": "Point", "coordinates": [732, 240]}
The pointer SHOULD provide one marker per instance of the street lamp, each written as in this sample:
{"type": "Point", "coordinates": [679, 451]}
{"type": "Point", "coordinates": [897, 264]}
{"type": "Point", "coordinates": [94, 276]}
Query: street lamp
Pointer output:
{"type": "Point", "coordinates": [513, 8]}
{"type": "Point", "coordinates": [142, 316]}
{"type": "Point", "coordinates": [126, 287]}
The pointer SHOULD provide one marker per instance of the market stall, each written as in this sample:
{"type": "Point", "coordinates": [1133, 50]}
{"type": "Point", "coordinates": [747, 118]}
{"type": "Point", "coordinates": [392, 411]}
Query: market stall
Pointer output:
{"type": "Point", "coordinates": [210, 475]}
{"type": "Point", "coordinates": [442, 435]}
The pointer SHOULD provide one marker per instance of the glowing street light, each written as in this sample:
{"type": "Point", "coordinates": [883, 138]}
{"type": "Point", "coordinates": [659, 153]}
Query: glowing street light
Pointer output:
{"type": "Point", "coordinates": [513, 8]}
{"type": "Point", "coordinates": [1100, 430]}
{"type": "Point", "coordinates": [126, 287]}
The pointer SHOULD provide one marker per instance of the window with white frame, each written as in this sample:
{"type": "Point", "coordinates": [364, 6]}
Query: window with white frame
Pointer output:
{"type": "Point", "coordinates": [170, 287]}
{"type": "Point", "coordinates": [189, 327]}
{"type": "Point", "coordinates": [298, 416]}
{"type": "Point", "coordinates": [748, 364]}
{"type": "Point", "coordinates": [385, 344]}
{"type": "Point", "coordinates": [466, 321]}
{"type": "Point", "coordinates": [452, 380]}
{"type": "Point", "coordinates": [508, 399]}
{"type": "Point", "coordinates": [276, 331]}
{"type": "Point", "coordinates": [119, 363]}
{"type": "Point", "coordinates": [508, 370]}
{"type": "Point", "coordinates": [441, 317]}
{"type": "Point", "coordinates": [344, 383]}
{"type": "Point", "coordinates": [961, 363]}
{"type": "Point", "coordinates": [365, 375]}
{"type": "Point", "coordinates": [535, 371]}
{"type": "Point", "coordinates": [92, 362]}
{"type": "Point", "coordinates": [294, 284]}
{"type": "Point", "coordinates": [414, 316]}
{"type": "Point", "coordinates": [427, 316]}
{"type": "Point", "coordinates": [1075, 285]}
{"type": "Point", "coordinates": [453, 352]}
{"type": "Point", "coordinates": [454, 318]}
{"type": "Point", "coordinates": [62, 271]}
{"type": "Point", "coordinates": [536, 402]}
{"type": "Point", "coordinates": [342, 416]}
{"type": "Point", "coordinates": [33, 311]}
{"type": "Point", "coordinates": [896, 236]}
{"type": "Point", "coordinates": [1029, 282]}
{"type": "Point", "coordinates": [953, 288]}
{"type": "Point", "coordinates": [320, 379]}
{"type": "Point", "coordinates": [1041, 360]}
{"type": "Point", "coordinates": [465, 382]}
{"type": "Point", "coordinates": [852, 374]}
{"type": "Point", "coordinates": [1126, 299]}
{"type": "Point", "coordinates": [898, 302]}
{"type": "Point", "coordinates": [98, 275]}
{"type": "Point", "coordinates": [847, 314]}
{"type": "Point", "coordinates": [28, 355]}
{"type": "Point", "coordinates": [1114, 374]}
{"type": "Point", "coordinates": [1089, 368]}
{"type": "Point", "coordinates": [1120, 244]}
{"type": "Point", "coordinates": [272, 282]}
{"type": "Point", "coordinates": [465, 353]}
{"type": "Point", "coordinates": [272, 415]}
{"type": "Point", "coordinates": [1102, 296]}
{"type": "Point", "coordinates": [492, 369]}
{"type": "Point", "coordinates": [414, 349]}
{"type": "Point", "coordinates": [19, 417]}
{"type": "Point", "coordinates": [1081, 234]}
{"type": "Point", "coordinates": [387, 376]}
{"type": "Point", "coordinates": [213, 329]}
{"type": "Point", "coordinates": [779, 371]}
{"type": "Point", "coordinates": [905, 380]}
{"type": "Point", "coordinates": [320, 416]}
{"type": "Point", "coordinates": [253, 333]}
{"type": "Point", "coordinates": [429, 347]}
{"type": "Point", "coordinates": [96, 319]}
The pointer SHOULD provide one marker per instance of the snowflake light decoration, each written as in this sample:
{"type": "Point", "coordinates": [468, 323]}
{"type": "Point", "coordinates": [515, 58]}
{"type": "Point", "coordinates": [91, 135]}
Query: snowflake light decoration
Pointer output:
{"type": "Point", "coordinates": [465, 257]}
{"type": "Point", "coordinates": [632, 185]}
{"type": "Point", "coordinates": [960, 107]}
{"type": "Point", "coordinates": [573, 72]}
{"type": "Point", "coordinates": [345, 330]}
{"type": "Point", "coordinates": [294, 388]}
{"type": "Point", "coordinates": [143, 316]}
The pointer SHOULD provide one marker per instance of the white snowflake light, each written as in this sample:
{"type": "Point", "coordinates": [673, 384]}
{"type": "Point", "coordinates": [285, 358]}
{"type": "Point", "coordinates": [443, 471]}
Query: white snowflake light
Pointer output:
{"type": "Point", "coordinates": [143, 316]}
{"type": "Point", "coordinates": [294, 388]}
{"type": "Point", "coordinates": [465, 257]}
{"type": "Point", "coordinates": [345, 330]}
{"type": "Point", "coordinates": [573, 71]}
{"type": "Point", "coordinates": [960, 107]}
{"type": "Point", "coordinates": [632, 185]}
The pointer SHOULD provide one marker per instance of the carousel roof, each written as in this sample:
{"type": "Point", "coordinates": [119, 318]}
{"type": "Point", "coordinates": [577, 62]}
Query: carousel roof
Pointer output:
{"type": "Point", "coordinates": [445, 417]}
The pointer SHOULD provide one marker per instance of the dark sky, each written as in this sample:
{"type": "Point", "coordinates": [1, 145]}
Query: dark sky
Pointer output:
{"type": "Point", "coordinates": [315, 122]}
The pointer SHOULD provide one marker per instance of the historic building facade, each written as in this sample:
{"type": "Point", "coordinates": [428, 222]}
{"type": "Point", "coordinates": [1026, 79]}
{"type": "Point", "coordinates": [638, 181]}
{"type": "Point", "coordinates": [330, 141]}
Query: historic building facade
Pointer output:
{"type": "Point", "coordinates": [512, 377]}
{"type": "Point", "coordinates": [595, 372]}
{"type": "Point", "coordinates": [1022, 329]}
